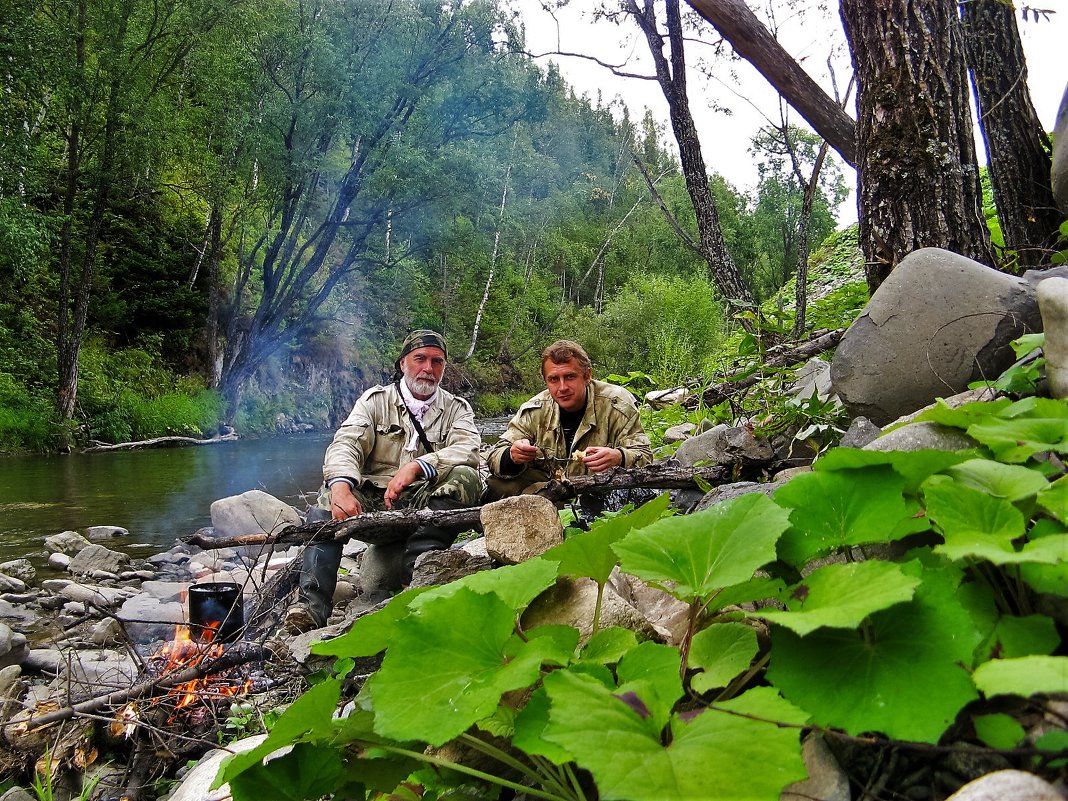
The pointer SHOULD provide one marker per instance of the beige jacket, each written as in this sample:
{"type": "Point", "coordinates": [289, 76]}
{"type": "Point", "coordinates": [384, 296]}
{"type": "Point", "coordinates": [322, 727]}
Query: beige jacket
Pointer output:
{"type": "Point", "coordinates": [611, 420]}
{"type": "Point", "coordinates": [369, 446]}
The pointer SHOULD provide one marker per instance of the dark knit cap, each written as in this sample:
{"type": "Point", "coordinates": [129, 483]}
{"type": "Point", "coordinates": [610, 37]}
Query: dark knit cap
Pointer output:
{"type": "Point", "coordinates": [422, 339]}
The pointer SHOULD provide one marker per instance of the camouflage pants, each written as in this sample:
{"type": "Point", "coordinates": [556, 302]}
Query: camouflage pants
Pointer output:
{"type": "Point", "coordinates": [386, 566]}
{"type": "Point", "coordinates": [461, 483]}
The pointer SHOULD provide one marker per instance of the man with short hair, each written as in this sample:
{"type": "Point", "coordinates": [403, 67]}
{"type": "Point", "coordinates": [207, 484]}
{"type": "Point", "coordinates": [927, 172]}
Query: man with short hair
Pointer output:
{"type": "Point", "coordinates": [575, 427]}
{"type": "Point", "coordinates": [409, 444]}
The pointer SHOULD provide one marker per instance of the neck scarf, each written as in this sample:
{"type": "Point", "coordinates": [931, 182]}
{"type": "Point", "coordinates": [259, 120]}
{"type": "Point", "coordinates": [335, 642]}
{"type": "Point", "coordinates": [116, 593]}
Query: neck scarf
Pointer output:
{"type": "Point", "coordinates": [417, 408]}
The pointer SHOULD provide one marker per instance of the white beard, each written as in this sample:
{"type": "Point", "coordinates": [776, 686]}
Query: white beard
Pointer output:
{"type": "Point", "coordinates": [421, 386]}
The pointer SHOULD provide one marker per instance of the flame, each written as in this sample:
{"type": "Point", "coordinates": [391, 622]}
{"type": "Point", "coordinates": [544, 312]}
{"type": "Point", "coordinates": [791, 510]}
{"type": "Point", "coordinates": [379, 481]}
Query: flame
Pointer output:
{"type": "Point", "coordinates": [184, 652]}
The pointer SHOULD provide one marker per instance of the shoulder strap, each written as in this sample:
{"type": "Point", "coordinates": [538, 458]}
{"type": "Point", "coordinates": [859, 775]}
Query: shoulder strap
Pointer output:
{"type": "Point", "coordinates": [418, 428]}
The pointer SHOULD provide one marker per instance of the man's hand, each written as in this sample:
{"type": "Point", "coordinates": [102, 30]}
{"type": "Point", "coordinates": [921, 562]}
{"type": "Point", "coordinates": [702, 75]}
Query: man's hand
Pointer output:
{"type": "Point", "coordinates": [405, 476]}
{"type": "Point", "coordinates": [600, 459]}
{"type": "Point", "coordinates": [343, 504]}
{"type": "Point", "coordinates": [522, 452]}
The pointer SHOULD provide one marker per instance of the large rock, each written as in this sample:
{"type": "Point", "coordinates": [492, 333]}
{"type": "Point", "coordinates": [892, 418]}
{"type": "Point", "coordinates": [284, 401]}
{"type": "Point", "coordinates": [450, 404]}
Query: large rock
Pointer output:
{"type": "Point", "coordinates": [252, 512]}
{"type": "Point", "coordinates": [21, 569]}
{"type": "Point", "coordinates": [572, 603]}
{"type": "Point", "coordinates": [1059, 172]}
{"type": "Point", "coordinates": [441, 567]}
{"type": "Point", "coordinates": [96, 557]}
{"type": "Point", "coordinates": [826, 779]}
{"type": "Point", "coordinates": [99, 533]}
{"type": "Point", "coordinates": [520, 528]}
{"type": "Point", "coordinates": [1007, 785]}
{"type": "Point", "coordinates": [68, 542]}
{"type": "Point", "coordinates": [13, 647]}
{"type": "Point", "coordinates": [196, 786]}
{"type": "Point", "coordinates": [723, 444]}
{"type": "Point", "coordinates": [937, 323]}
{"type": "Point", "coordinates": [11, 689]}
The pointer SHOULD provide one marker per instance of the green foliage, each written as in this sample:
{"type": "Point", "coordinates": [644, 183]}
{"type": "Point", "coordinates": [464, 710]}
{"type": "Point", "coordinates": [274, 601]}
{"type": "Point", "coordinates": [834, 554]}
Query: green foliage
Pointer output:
{"type": "Point", "coordinates": [901, 645]}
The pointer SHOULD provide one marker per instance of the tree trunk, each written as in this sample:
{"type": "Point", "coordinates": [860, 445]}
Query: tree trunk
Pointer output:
{"type": "Point", "coordinates": [918, 181]}
{"type": "Point", "coordinates": [1017, 146]}
{"type": "Point", "coordinates": [672, 78]}
{"type": "Point", "coordinates": [756, 44]}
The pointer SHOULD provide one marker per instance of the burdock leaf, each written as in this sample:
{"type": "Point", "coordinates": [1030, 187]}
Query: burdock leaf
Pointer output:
{"type": "Point", "coordinates": [974, 525]}
{"type": "Point", "coordinates": [998, 730]}
{"type": "Point", "coordinates": [590, 554]}
{"type": "Point", "coordinates": [1029, 426]}
{"type": "Point", "coordinates": [1026, 676]}
{"type": "Point", "coordinates": [607, 646]}
{"type": "Point", "coordinates": [904, 673]}
{"type": "Point", "coordinates": [651, 671]}
{"type": "Point", "coordinates": [721, 652]}
{"type": "Point", "coordinates": [440, 676]}
{"type": "Point", "coordinates": [1008, 481]}
{"type": "Point", "coordinates": [305, 772]}
{"type": "Point", "coordinates": [842, 596]}
{"type": "Point", "coordinates": [856, 507]}
{"type": "Point", "coordinates": [714, 754]}
{"type": "Point", "coordinates": [1054, 499]}
{"type": "Point", "coordinates": [913, 466]}
{"type": "Point", "coordinates": [694, 555]}
{"type": "Point", "coordinates": [310, 716]}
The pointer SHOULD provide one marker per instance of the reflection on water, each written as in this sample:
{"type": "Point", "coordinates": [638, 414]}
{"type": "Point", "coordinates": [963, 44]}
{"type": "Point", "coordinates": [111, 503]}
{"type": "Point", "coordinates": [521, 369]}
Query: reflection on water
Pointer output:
{"type": "Point", "coordinates": [158, 495]}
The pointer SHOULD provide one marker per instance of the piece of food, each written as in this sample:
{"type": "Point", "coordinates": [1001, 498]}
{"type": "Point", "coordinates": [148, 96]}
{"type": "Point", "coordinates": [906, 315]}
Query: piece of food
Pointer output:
{"type": "Point", "coordinates": [578, 456]}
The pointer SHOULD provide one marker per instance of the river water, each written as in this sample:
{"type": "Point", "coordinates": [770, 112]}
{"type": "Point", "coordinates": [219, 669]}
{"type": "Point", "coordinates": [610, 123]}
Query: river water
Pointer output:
{"type": "Point", "coordinates": [159, 494]}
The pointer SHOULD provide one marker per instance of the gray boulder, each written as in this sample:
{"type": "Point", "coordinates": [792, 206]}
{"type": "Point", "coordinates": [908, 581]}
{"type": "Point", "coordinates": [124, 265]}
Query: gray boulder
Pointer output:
{"type": "Point", "coordinates": [722, 444]}
{"type": "Point", "coordinates": [99, 533]}
{"type": "Point", "coordinates": [13, 648]}
{"type": "Point", "coordinates": [252, 512]}
{"type": "Point", "coordinates": [1007, 785]}
{"type": "Point", "coordinates": [937, 323]}
{"type": "Point", "coordinates": [520, 528]}
{"type": "Point", "coordinates": [1059, 172]}
{"type": "Point", "coordinates": [21, 569]}
{"type": "Point", "coordinates": [68, 542]}
{"type": "Point", "coordinates": [921, 436]}
{"type": "Point", "coordinates": [97, 557]}
{"type": "Point", "coordinates": [196, 786]}
{"type": "Point", "coordinates": [441, 567]}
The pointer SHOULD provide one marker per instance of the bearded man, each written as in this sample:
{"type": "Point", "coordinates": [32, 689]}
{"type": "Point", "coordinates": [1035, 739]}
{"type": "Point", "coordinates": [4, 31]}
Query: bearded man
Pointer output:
{"type": "Point", "coordinates": [406, 445]}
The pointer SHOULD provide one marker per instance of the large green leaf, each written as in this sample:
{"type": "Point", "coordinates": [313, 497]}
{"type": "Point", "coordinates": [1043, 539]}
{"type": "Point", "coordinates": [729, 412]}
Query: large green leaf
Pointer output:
{"type": "Point", "coordinates": [311, 715]}
{"type": "Point", "coordinates": [590, 554]}
{"type": "Point", "coordinates": [439, 676]}
{"type": "Point", "coordinates": [692, 556]}
{"type": "Point", "coordinates": [843, 595]}
{"type": "Point", "coordinates": [1054, 499]}
{"type": "Point", "coordinates": [913, 466]}
{"type": "Point", "coordinates": [972, 523]}
{"type": "Point", "coordinates": [721, 652]}
{"type": "Point", "coordinates": [370, 634]}
{"type": "Point", "coordinates": [1032, 425]}
{"type": "Point", "coordinates": [1026, 676]}
{"type": "Point", "coordinates": [904, 673]}
{"type": "Point", "coordinates": [1051, 578]}
{"type": "Point", "coordinates": [998, 730]}
{"type": "Point", "coordinates": [651, 672]}
{"type": "Point", "coordinates": [1023, 636]}
{"type": "Point", "coordinates": [854, 507]}
{"type": "Point", "coordinates": [714, 754]}
{"type": "Point", "coordinates": [306, 772]}
{"type": "Point", "coordinates": [1011, 482]}
{"type": "Point", "coordinates": [963, 416]}
{"type": "Point", "coordinates": [607, 646]}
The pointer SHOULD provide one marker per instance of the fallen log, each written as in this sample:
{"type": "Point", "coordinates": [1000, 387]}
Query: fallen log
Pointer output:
{"type": "Point", "coordinates": [717, 393]}
{"type": "Point", "coordinates": [237, 654]}
{"type": "Point", "coordinates": [381, 527]}
{"type": "Point", "coordinates": [160, 442]}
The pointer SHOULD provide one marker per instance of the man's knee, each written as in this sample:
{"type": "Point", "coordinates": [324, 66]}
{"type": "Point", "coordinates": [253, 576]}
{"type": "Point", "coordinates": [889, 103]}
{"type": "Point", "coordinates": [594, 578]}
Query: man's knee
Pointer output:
{"type": "Point", "coordinates": [461, 483]}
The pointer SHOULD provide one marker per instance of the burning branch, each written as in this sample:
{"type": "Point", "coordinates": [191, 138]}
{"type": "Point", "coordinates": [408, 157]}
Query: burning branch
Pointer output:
{"type": "Point", "coordinates": [237, 654]}
{"type": "Point", "coordinates": [381, 527]}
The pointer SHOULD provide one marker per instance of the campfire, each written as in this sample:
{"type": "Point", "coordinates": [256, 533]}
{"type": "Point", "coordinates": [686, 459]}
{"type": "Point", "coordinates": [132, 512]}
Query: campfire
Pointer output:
{"type": "Point", "coordinates": [183, 651]}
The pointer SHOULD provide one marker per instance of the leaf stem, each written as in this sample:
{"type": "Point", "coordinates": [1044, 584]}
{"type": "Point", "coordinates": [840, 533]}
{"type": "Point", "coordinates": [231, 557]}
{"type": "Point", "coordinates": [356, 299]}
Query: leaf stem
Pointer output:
{"type": "Point", "coordinates": [478, 774]}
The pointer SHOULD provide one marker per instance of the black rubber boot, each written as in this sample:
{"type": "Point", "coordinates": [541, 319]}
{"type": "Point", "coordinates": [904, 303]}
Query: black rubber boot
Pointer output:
{"type": "Point", "coordinates": [318, 573]}
{"type": "Point", "coordinates": [430, 537]}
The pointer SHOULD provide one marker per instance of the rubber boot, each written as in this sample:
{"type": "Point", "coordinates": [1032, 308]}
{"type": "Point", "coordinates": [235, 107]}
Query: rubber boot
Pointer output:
{"type": "Point", "coordinates": [318, 573]}
{"type": "Point", "coordinates": [429, 537]}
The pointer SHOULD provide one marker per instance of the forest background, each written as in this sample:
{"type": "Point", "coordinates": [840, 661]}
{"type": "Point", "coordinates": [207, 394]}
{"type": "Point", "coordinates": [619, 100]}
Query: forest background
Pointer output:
{"type": "Point", "coordinates": [219, 212]}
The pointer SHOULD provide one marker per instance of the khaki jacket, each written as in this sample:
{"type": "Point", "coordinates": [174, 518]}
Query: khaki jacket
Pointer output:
{"type": "Point", "coordinates": [611, 420]}
{"type": "Point", "coordinates": [369, 446]}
